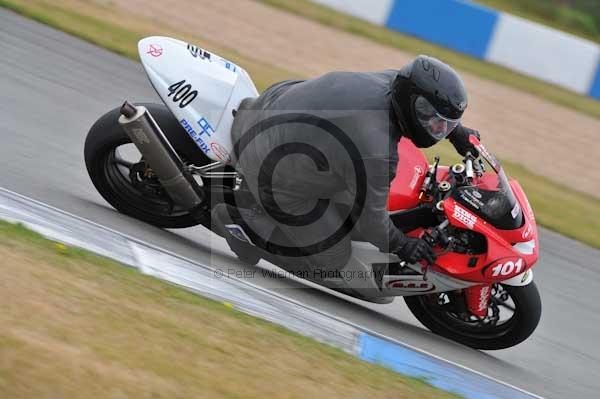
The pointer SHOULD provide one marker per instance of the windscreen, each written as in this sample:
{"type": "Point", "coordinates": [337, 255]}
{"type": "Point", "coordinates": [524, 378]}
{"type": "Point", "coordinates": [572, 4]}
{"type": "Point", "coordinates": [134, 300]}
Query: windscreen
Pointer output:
{"type": "Point", "coordinates": [492, 197]}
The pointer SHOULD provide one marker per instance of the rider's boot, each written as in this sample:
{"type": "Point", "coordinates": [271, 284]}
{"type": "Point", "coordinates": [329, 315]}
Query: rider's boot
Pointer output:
{"type": "Point", "coordinates": [229, 222]}
{"type": "Point", "coordinates": [364, 286]}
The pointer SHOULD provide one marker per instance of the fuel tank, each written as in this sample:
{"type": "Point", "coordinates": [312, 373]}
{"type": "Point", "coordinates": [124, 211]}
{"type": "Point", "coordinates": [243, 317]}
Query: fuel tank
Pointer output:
{"type": "Point", "coordinates": [410, 173]}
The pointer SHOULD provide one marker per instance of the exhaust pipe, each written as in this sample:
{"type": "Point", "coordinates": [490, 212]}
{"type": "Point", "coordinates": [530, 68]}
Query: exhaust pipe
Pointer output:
{"type": "Point", "coordinates": [149, 139]}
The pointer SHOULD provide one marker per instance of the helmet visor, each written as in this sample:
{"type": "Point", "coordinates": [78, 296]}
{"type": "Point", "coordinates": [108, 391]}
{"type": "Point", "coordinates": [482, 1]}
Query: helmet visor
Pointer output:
{"type": "Point", "coordinates": [437, 125]}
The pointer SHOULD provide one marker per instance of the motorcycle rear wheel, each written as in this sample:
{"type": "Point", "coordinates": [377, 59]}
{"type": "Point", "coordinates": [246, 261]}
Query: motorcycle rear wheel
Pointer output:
{"type": "Point", "coordinates": [477, 334]}
{"type": "Point", "coordinates": [135, 194]}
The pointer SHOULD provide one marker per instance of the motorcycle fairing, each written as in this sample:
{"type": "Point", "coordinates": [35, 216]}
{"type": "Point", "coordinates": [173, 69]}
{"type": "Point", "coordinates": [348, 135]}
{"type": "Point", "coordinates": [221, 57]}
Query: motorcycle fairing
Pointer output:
{"type": "Point", "coordinates": [360, 274]}
{"type": "Point", "coordinates": [510, 253]}
{"type": "Point", "coordinates": [503, 246]}
{"type": "Point", "coordinates": [410, 173]}
{"type": "Point", "coordinates": [200, 88]}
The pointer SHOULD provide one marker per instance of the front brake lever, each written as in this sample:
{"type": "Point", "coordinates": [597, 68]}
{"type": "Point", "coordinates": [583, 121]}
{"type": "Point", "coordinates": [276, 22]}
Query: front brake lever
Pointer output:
{"type": "Point", "coordinates": [437, 235]}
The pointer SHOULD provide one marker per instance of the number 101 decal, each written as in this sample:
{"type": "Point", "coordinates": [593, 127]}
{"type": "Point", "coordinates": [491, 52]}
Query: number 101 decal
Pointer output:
{"type": "Point", "coordinates": [509, 267]}
{"type": "Point", "coordinates": [182, 93]}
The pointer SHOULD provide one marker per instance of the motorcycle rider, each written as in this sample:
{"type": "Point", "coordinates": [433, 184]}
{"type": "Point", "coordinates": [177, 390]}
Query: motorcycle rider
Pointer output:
{"type": "Point", "coordinates": [424, 101]}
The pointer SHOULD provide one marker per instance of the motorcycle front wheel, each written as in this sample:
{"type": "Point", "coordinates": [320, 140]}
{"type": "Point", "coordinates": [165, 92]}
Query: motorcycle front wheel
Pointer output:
{"type": "Point", "coordinates": [513, 315]}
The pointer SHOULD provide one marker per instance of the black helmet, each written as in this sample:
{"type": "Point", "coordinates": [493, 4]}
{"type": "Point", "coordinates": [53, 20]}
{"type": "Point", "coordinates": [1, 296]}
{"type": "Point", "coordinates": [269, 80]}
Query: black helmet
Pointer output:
{"type": "Point", "coordinates": [430, 97]}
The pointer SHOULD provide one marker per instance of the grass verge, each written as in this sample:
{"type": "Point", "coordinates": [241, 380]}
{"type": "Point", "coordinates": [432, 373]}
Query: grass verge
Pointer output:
{"type": "Point", "coordinates": [574, 214]}
{"type": "Point", "coordinates": [329, 17]}
{"type": "Point", "coordinates": [569, 17]}
{"type": "Point", "coordinates": [78, 325]}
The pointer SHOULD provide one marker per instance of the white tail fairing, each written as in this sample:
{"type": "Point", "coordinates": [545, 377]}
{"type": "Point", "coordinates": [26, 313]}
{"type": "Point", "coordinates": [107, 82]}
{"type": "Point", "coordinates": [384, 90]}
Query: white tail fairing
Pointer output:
{"type": "Point", "coordinates": [200, 88]}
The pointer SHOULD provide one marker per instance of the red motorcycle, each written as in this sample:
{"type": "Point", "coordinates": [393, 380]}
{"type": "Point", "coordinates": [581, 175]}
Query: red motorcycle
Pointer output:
{"type": "Point", "coordinates": [167, 164]}
{"type": "Point", "coordinates": [483, 293]}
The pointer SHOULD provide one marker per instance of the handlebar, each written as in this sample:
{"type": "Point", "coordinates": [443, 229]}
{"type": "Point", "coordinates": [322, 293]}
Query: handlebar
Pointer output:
{"type": "Point", "coordinates": [437, 235]}
{"type": "Point", "coordinates": [469, 166]}
{"type": "Point", "coordinates": [434, 236]}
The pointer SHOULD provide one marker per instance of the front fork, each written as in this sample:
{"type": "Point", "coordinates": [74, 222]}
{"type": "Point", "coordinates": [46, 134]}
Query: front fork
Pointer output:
{"type": "Point", "coordinates": [477, 299]}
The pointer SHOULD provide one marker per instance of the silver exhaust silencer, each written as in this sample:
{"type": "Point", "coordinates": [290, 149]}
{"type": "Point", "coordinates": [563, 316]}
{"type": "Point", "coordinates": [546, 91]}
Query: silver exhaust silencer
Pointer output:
{"type": "Point", "coordinates": [149, 139]}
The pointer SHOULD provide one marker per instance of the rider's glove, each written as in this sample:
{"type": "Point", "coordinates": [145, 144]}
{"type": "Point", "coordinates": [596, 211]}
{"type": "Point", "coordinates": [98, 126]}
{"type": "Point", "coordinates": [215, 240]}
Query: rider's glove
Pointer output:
{"type": "Point", "coordinates": [460, 140]}
{"type": "Point", "coordinates": [416, 249]}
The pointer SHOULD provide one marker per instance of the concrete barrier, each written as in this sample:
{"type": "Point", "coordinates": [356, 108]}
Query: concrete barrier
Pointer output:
{"type": "Point", "coordinates": [527, 47]}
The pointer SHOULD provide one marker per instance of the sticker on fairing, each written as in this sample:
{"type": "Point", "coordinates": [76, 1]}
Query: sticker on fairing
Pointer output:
{"type": "Point", "coordinates": [202, 54]}
{"type": "Point", "coordinates": [411, 285]}
{"type": "Point", "coordinates": [238, 232]}
{"type": "Point", "coordinates": [415, 179]}
{"type": "Point", "coordinates": [195, 136]}
{"type": "Point", "coordinates": [515, 211]}
{"type": "Point", "coordinates": [464, 216]}
{"type": "Point", "coordinates": [504, 268]}
{"type": "Point", "coordinates": [220, 152]}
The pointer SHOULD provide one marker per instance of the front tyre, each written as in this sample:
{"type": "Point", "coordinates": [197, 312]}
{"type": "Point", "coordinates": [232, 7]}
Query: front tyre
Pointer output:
{"type": "Point", "coordinates": [513, 316]}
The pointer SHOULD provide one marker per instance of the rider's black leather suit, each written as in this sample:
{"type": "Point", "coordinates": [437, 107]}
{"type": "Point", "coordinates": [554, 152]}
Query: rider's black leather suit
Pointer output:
{"type": "Point", "coordinates": [291, 157]}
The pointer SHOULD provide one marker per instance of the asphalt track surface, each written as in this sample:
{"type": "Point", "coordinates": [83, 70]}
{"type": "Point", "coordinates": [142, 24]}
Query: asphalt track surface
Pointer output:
{"type": "Point", "coordinates": [53, 87]}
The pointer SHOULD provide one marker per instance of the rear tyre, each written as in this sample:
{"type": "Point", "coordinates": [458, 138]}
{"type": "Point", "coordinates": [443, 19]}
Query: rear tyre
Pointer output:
{"type": "Point", "coordinates": [523, 302]}
{"type": "Point", "coordinates": [130, 186]}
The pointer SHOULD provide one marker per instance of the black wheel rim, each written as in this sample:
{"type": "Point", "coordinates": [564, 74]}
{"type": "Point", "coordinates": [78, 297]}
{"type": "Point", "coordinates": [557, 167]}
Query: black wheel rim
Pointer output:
{"type": "Point", "coordinates": [491, 327]}
{"type": "Point", "coordinates": [126, 179]}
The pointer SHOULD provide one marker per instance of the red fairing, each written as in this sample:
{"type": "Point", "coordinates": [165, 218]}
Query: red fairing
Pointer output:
{"type": "Point", "coordinates": [410, 173]}
{"type": "Point", "coordinates": [503, 259]}
{"type": "Point", "coordinates": [509, 252]}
